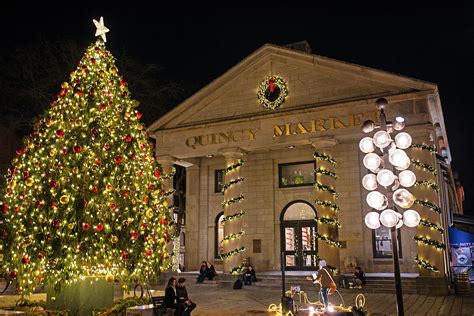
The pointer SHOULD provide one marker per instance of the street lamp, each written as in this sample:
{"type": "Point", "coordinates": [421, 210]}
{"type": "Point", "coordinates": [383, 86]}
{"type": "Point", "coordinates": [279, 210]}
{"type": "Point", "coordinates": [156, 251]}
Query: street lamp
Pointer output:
{"type": "Point", "coordinates": [387, 181]}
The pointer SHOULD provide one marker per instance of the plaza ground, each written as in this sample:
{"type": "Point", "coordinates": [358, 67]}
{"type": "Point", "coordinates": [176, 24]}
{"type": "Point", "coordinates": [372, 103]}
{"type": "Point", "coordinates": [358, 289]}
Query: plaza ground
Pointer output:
{"type": "Point", "coordinates": [254, 300]}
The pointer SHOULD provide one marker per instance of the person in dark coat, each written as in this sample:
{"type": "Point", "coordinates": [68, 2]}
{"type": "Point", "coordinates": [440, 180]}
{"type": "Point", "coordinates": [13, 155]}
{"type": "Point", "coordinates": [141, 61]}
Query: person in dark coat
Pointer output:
{"type": "Point", "coordinates": [359, 277]}
{"type": "Point", "coordinates": [182, 294]}
{"type": "Point", "coordinates": [211, 271]}
{"type": "Point", "coordinates": [249, 275]}
{"type": "Point", "coordinates": [171, 298]}
{"type": "Point", "coordinates": [202, 272]}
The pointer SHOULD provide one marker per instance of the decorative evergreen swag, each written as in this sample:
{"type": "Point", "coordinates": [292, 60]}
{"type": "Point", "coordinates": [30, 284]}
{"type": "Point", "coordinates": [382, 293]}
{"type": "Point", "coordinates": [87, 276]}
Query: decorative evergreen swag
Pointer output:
{"type": "Point", "coordinates": [232, 253]}
{"type": "Point", "coordinates": [326, 172]}
{"type": "Point", "coordinates": [430, 205]}
{"type": "Point", "coordinates": [230, 218]}
{"type": "Point", "coordinates": [320, 156]}
{"type": "Point", "coordinates": [233, 167]}
{"type": "Point", "coordinates": [328, 240]}
{"type": "Point", "coordinates": [324, 187]}
{"type": "Point", "coordinates": [430, 242]}
{"type": "Point", "coordinates": [233, 236]}
{"type": "Point", "coordinates": [431, 225]}
{"type": "Point", "coordinates": [425, 264]}
{"type": "Point", "coordinates": [231, 183]}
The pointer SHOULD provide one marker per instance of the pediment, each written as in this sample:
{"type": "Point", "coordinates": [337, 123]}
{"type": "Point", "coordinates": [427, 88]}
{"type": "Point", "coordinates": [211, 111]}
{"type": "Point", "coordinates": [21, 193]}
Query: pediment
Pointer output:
{"type": "Point", "coordinates": [312, 81]}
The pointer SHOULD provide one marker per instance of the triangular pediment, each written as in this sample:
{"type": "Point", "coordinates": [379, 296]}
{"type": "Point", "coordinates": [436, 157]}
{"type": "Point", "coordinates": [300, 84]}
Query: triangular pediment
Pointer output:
{"type": "Point", "coordinates": [312, 81]}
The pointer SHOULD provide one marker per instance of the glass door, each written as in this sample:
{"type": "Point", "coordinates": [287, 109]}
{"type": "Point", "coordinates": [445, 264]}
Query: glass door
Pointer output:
{"type": "Point", "coordinates": [299, 245]}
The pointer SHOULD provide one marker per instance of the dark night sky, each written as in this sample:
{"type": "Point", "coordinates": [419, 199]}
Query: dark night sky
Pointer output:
{"type": "Point", "coordinates": [432, 44]}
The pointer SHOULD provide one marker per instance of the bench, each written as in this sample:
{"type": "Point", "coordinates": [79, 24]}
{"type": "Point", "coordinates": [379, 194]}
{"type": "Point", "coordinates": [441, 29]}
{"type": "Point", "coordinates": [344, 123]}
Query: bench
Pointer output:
{"type": "Point", "coordinates": [159, 308]}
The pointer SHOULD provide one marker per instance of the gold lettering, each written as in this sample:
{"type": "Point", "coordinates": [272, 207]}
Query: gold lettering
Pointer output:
{"type": "Point", "coordinates": [188, 143]}
{"type": "Point", "coordinates": [252, 133]}
{"type": "Point", "coordinates": [226, 137]}
{"type": "Point", "coordinates": [339, 124]}
{"type": "Point", "coordinates": [372, 115]}
{"type": "Point", "coordinates": [278, 131]}
{"type": "Point", "coordinates": [301, 128]}
{"type": "Point", "coordinates": [319, 125]}
{"type": "Point", "coordinates": [214, 139]}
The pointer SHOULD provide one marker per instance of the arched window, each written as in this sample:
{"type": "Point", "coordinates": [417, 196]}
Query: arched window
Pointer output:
{"type": "Point", "coordinates": [218, 235]}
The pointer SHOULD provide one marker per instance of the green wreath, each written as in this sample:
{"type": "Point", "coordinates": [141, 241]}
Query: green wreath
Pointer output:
{"type": "Point", "coordinates": [272, 92]}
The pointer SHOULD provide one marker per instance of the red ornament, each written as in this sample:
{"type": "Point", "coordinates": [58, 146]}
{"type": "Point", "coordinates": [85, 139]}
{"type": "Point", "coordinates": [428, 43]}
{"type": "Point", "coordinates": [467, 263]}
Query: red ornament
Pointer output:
{"type": "Point", "coordinates": [13, 274]}
{"type": "Point", "coordinates": [134, 235]}
{"type": "Point", "coordinates": [77, 149]}
{"type": "Point", "coordinates": [79, 93]}
{"type": "Point", "coordinates": [271, 82]}
{"type": "Point", "coordinates": [92, 93]}
{"type": "Point", "coordinates": [123, 83]}
{"type": "Point", "coordinates": [53, 205]}
{"type": "Point", "coordinates": [92, 60]}
{"type": "Point", "coordinates": [128, 138]}
{"type": "Point", "coordinates": [95, 189]}
{"type": "Point", "coordinates": [132, 156]}
{"type": "Point", "coordinates": [118, 160]}
{"type": "Point", "coordinates": [113, 206]}
{"type": "Point", "coordinates": [41, 255]}
{"type": "Point", "coordinates": [157, 173]}
{"type": "Point", "coordinates": [138, 115]}
{"type": "Point", "coordinates": [53, 103]}
{"type": "Point", "coordinates": [163, 220]}
{"type": "Point", "coordinates": [64, 151]}
{"type": "Point", "coordinates": [102, 106]}
{"type": "Point", "coordinates": [84, 67]}
{"type": "Point", "coordinates": [4, 208]}
{"type": "Point", "coordinates": [26, 175]}
{"type": "Point", "coordinates": [146, 199]}
{"type": "Point", "coordinates": [52, 184]}
{"type": "Point", "coordinates": [25, 260]}
{"type": "Point", "coordinates": [85, 226]}
{"type": "Point", "coordinates": [60, 133]}
{"type": "Point", "coordinates": [99, 227]}
{"type": "Point", "coordinates": [56, 223]}
{"type": "Point", "coordinates": [98, 161]}
{"type": "Point", "coordinates": [94, 132]}
{"type": "Point", "coordinates": [125, 255]}
{"type": "Point", "coordinates": [148, 252]}
{"type": "Point", "coordinates": [107, 146]}
{"type": "Point", "coordinates": [126, 193]}
{"type": "Point", "coordinates": [110, 103]}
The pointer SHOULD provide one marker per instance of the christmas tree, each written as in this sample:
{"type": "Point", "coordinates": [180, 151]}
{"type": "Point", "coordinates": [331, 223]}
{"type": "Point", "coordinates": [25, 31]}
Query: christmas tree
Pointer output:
{"type": "Point", "coordinates": [83, 197]}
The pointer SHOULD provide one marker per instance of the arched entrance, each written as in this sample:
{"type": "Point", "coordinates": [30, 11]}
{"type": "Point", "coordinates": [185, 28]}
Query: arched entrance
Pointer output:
{"type": "Point", "coordinates": [298, 240]}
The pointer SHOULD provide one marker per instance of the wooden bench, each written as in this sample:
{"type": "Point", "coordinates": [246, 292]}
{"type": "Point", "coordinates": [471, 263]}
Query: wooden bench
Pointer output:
{"type": "Point", "coordinates": [159, 308]}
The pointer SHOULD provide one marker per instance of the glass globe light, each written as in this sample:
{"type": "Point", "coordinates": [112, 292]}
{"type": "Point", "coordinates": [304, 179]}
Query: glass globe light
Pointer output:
{"type": "Point", "coordinates": [407, 178]}
{"type": "Point", "coordinates": [385, 177]}
{"type": "Point", "coordinates": [372, 220]}
{"type": "Point", "coordinates": [382, 139]}
{"type": "Point", "coordinates": [400, 222]}
{"type": "Point", "coordinates": [403, 198]}
{"type": "Point", "coordinates": [405, 164]}
{"type": "Point", "coordinates": [377, 200]}
{"type": "Point", "coordinates": [372, 161]}
{"type": "Point", "coordinates": [389, 218]}
{"type": "Point", "coordinates": [403, 140]}
{"type": "Point", "coordinates": [411, 218]}
{"type": "Point", "coordinates": [369, 182]}
{"type": "Point", "coordinates": [368, 126]}
{"type": "Point", "coordinates": [366, 145]}
{"type": "Point", "coordinates": [397, 157]}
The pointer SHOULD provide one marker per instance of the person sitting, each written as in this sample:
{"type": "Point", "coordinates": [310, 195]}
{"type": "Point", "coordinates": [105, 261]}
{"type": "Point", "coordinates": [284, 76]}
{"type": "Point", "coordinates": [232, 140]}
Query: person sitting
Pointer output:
{"type": "Point", "coordinates": [358, 277]}
{"type": "Point", "coordinates": [182, 294]}
{"type": "Point", "coordinates": [211, 271]}
{"type": "Point", "coordinates": [249, 275]}
{"type": "Point", "coordinates": [202, 272]}
{"type": "Point", "coordinates": [171, 299]}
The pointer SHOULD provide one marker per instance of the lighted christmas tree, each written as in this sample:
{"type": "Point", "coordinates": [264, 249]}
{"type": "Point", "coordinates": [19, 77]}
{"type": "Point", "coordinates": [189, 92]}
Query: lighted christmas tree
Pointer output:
{"type": "Point", "coordinates": [84, 198]}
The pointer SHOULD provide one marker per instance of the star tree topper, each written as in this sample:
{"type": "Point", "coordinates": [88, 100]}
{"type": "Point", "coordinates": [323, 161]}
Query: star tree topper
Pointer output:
{"type": "Point", "coordinates": [101, 29]}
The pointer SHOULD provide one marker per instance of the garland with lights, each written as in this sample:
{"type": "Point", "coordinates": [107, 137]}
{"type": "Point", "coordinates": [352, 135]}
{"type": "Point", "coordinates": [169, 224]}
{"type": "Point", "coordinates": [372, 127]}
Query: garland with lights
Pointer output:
{"type": "Point", "coordinates": [267, 87]}
{"type": "Point", "coordinates": [233, 200]}
{"type": "Point", "coordinates": [169, 193]}
{"type": "Point", "coordinates": [226, 186]}
{"type": "Point", "coordinates": [232, 253]}
{"type": "Point", "coordinates": [329, 221]}
{"type": "Point", "coordinates": [429, 205]}
{"type": "Point", "coordinates": [424, 166]}
{"type": "Point", "coordinates": [429, 242]}
{"type": "Point", "coordinates": [328, 240]}
{"type": "Point", "coordinates": [430, 225]}
{"type": "Point", "coordinates": [232, 217]}
{"type": "Point", "coordinates": [321, 156]}
{"type": "Point", "coordinates": [233, 236]}
{"type": "Point", "coordinates": [169, 175]}
{"type": "Point", "coordinates": [237, 270]}
{"type": "Point", "coordinates": [431, 149]}
{"type": "Point", "coordinates": [329, 204]}
{"type": "Point", "coordinates": [428, 184]}
{"type": "Point", "coordinates": [83, 198]}
{"type": "Point", "coordinates": [425, 264]}
{"type": "Point", "coordinates": [326, 172]}
{"type": "Point", "coordinates": [323, 187]}
{"type": "Point", "coordinates": [233, 167]}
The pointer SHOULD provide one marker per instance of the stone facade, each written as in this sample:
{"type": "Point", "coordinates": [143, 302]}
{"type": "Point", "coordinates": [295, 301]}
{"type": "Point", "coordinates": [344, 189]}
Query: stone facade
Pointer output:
{"type": "Point", "coordinates": [327, 100]}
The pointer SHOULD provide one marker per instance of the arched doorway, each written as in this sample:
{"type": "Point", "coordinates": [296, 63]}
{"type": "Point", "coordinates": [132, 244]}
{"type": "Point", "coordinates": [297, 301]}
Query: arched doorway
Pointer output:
{"type": "Point", "coordinates": [298, 240]}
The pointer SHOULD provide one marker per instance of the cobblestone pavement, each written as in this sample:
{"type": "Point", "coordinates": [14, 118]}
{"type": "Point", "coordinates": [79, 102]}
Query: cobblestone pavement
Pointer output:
{"type": "Point", "coordinates": [254, 300]}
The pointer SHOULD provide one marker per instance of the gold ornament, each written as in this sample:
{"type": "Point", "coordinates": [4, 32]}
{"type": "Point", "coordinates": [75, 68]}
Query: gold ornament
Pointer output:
{"type": "Point", "coordinates": [109, 277]}
{"type": "Point", "coordinates": [29, 182]}
{"type": "Point", "coordinates": [48, 123]}
{"type": "Point", "coordinates": [52, 152]}
{"type": "Point", "coordinates": [72, 74]}
{"type": "Point", "coordinates": [140, 127]}
{"type": "Point", "coordinates": [1, 256]}
{"type": "Point", "coordinates": [114, 239]}
{"type": "Point", "coordinates": [109, 188]}
{"type": "Point", "coordinates": [13, 184]}
{"type": "Point", "coordinates": [64, 85]}
{"type": "Point", "coordinates": [112, 130]}
{"type": "Point", "coordinates": [19, 166]}
{"type": "Point", "coordinates": [64, 199]}
{"type": "Point", "coordinates": [127, 114]}
{"type": "Point", "coordinates": [70, 225]}
{"type": "Point", "coordinates": [75, 170]}
{"type": "Point", "coordinates": [165, 203]}
{"type": "Point", "coordinates": [115, 118]}
{"type": "Point", "coordinates": [162, 240]}
{"type": "Point", "coordinates": [113, 70]}
{"type": "Point", "coordinates": [79, 123]}
{"type": "Point", "coordinates": [149, 213]}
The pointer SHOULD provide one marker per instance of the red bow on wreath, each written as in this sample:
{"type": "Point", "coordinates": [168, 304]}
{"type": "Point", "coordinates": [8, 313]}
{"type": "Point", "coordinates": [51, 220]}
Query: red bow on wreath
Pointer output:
{"type": "Point", "coordinates": [271, 82]}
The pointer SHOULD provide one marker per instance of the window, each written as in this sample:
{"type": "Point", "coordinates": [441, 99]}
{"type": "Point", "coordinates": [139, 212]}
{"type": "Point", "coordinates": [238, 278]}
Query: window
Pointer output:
{"type": "Point", "coordinates": [296, 174]}
{"type": "Point", "coordinates": [382, 242]}
{"type": "Point", "coordinates": [218, 235]}
{"type": "Point", "coordinates": [218, 180]}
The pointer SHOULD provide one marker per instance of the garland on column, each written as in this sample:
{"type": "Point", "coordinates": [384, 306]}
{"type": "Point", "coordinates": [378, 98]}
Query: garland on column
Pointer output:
{"type": "Point", "coordinates": [226, 186]}
{"type": "Point", "coordinates": [425, 264]}
{"type": "Point", "coordinates": [331, 205]}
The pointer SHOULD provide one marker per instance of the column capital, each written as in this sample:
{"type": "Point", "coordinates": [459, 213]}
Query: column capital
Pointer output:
{"type": "Point", "coordinates": [232, 152]}
{"type": "Point", "coordinates": [166, 159]}
{"type": "Point", "coordinates": [324, 142]}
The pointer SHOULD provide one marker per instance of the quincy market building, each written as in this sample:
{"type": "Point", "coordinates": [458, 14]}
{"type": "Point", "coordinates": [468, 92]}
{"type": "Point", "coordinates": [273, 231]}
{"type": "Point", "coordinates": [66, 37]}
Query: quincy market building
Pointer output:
{"type": "Point", "coordinates": [271, 202]}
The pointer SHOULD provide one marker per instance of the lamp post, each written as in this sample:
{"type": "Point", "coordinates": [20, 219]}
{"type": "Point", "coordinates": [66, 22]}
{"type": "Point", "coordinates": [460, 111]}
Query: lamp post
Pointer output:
{"type": "Point", "coordinates": [387, 181]}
